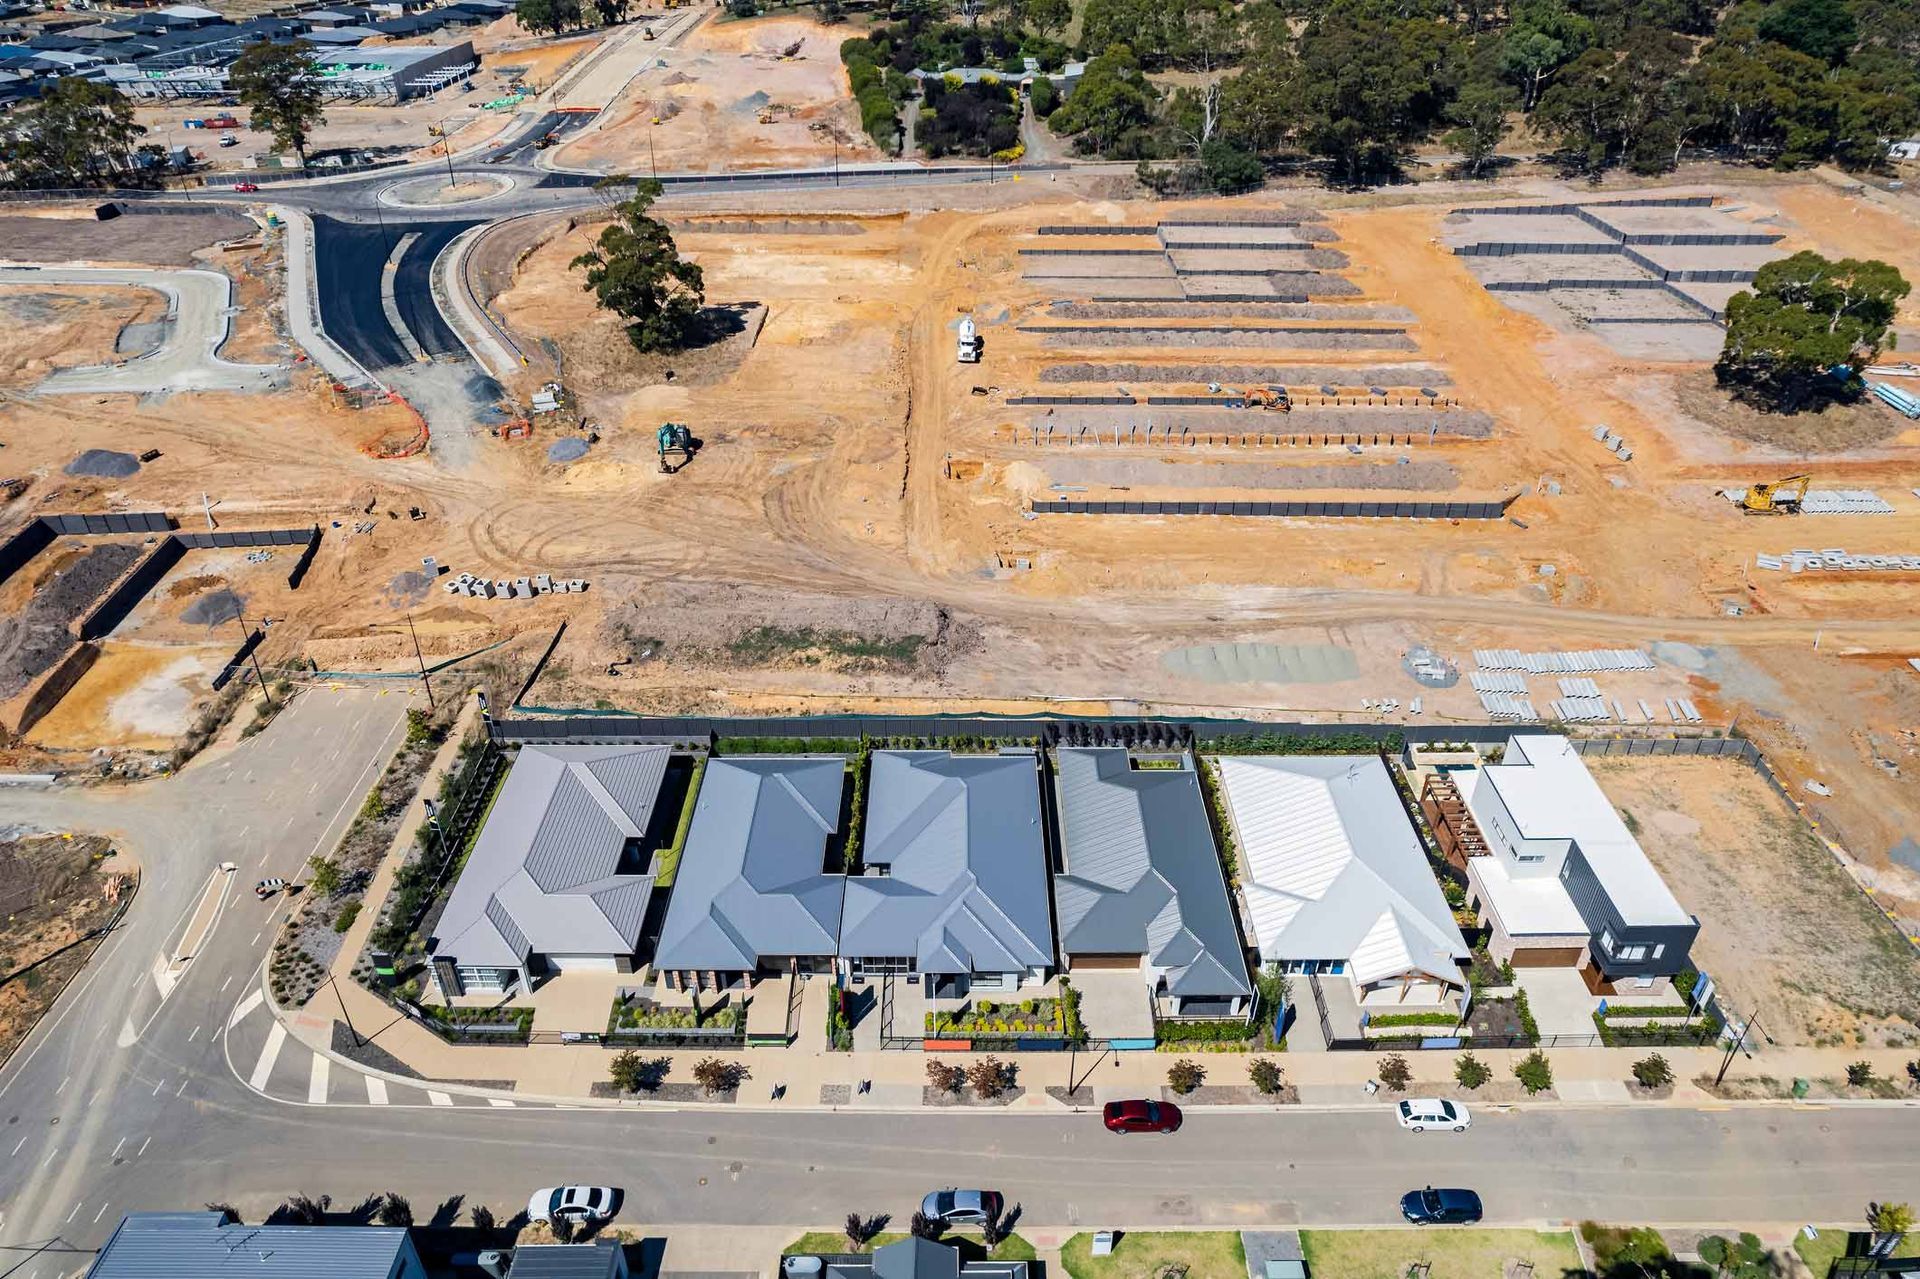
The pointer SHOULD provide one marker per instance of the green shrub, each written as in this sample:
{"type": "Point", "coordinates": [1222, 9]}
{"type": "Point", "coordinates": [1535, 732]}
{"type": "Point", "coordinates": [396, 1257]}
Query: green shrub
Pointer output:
{"type": "Point", "coordinates": [1044, 96]}
{"type": "Point", "coordinates": [1528, 1026]}
{"type": "Point", "coordinates": [344, 920]}
{"type": "Point", "coordinates": [1470, 1071]}
{"type": "Point", "coordinates": [1394, 1072]}
{"type": "Point", "coordinates": [1413, 1019]}
{"type": "Point", "coordinates": [1225, 1030]}
{"type": "Point", "coordinates": [1184, 1076]}
{"type": "Point", "coordinates": [1617, 1249]}
{"type": "Point", "coordinates": [1265, 1076]}
{"type": "Point", "coordinates": [1652, 1071]}
{"type": "Point", "coordinates": [1534, 1072]}
{"type": "Point", "coordinates": [1859, 1074]}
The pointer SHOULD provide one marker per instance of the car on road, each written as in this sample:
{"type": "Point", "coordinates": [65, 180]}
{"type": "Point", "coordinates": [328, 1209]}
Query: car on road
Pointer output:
{"type": "Point", "coordinates": [1432, 1207]}
{"type": "Point", "coordinates": [246, 188]}
{"type": "Point", "coordinates": [959, 1206]}
{"type": "Point", "coordinates": [268, 887]}
{"type": "Point", "coordinates": [1142, 1116]}
{"type": "Point", "coordinates": [1421, 1113]}
{"type": "Point", "coordinates": [573, 1203]}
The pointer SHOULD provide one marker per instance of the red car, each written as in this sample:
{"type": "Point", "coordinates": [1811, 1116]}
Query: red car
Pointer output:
{"type": "Point", "coordinates": [1142, 1116]}
{"type": "Point", "coordinates": [246, 188]}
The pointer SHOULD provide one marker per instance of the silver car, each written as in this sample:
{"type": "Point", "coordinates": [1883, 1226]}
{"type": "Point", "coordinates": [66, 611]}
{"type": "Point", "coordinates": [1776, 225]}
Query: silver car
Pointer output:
{"type": "Point", "coordinates": [963, 1206]}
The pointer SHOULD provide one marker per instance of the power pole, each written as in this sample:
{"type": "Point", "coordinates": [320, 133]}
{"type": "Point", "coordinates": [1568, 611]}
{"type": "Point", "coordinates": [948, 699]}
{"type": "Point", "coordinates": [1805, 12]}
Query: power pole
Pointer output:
{"type": "Point", "coordinates": [246, 634]}
{"type": "Point", "coordinates": [425, 680]}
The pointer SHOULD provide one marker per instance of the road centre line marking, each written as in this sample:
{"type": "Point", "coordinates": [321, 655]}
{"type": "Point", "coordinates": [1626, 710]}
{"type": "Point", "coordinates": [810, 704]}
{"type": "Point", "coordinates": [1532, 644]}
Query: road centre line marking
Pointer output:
{"type": "Point", "coordinates": [143, 1148]}
{"type": "Point", "coordinates": [181, 1090]}
{"type": "Point", "coordinates": [256, 939]}
{"type": "Point", "coordinates": [100, 1214]}
{"type": "Point", "coordinates": [63, 1085]}
{"type": "Point", "coordinates": [50, 1155]}
{"type": "Point", "coordinates": [195, 1035]}
{"type": "Point", "coordinates": [228, 982]}
{"type": "Point", "coordinates": [75, 1212]}
{"type": "Point", "coordinates": [157, 1087]}
{"type": "Point", "coordinates": [116, 1147]}
{"type": "Point", "coordinates": [17, 1145]}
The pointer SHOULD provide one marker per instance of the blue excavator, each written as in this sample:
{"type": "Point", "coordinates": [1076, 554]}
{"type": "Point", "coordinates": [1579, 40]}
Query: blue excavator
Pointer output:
{"type": "Point", "coordinates": [674, 437]}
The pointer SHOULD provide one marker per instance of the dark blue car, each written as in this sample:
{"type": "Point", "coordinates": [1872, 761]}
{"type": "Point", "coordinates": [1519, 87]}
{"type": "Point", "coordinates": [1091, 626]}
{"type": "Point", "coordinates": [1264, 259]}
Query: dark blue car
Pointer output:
{"type": "Point", "coordinates": [1432, 1207]}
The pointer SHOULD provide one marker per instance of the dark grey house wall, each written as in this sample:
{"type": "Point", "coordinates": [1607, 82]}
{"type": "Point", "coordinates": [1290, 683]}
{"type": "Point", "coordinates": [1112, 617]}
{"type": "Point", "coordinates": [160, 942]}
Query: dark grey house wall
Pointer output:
{"type": "Point", "coordinates": [1597, 909]}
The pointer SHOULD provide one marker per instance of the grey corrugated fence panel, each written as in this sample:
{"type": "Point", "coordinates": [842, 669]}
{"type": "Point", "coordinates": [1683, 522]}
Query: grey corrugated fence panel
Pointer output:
{"type": "Point", "coordinates": [238, 660]}
{"type": "Point", "coordinates": [1555, 283]}
{"type": "Point", "coordinates": [1650, 319]}
{"type": "Point", "coordinates": [1275, 219]}
{"type": "Point", "coordinates": [23, 546]}
{"type": "Point", "coordinates": [112, 610]}
{"type": "Point", "coordinates": [1254, 246]}
{"type": "Point", "coordinates": [1534, 248]}
{"type": "Point", "coordinates": [115, 522]}
{"type": "Point", "coordinates": [1572, 210]}
{"type": "Point", "coordinates": [298, 574]}
{"type": "Point", "coordinates": [1098, 230]}
{"type": "Point", "coordinates": [1071, 399]}
{"type": "Point", "coordinates": [1092, 253]}
{"type": "Point", "coordinates": [1382, 331]}
{"type": "Point", "coordinates": [1247, 271]}
{"type": "Point", "coordinates": [249, 537]}
{"type": "Point", "coordinates": [1300, 509]}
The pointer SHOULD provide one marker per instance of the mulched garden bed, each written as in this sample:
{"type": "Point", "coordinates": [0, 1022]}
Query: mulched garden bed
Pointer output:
{"type": "Point", "coordinates": [836, 1094]}
{"type": "Point", "coordinates": [606, 1088]}
{"type": "Point", "coordinates": [1232, 1095]}
{"type": "Point", "coordinates": [965, 1097]}
{"type": "Point", "coordinates": [1081, 1096]}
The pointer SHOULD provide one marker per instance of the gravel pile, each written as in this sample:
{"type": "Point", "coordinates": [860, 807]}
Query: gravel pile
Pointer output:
{"type": "Point", "coordinates": [104, 463]}
{"type": "Point", "coordinates": [212, 608]}
{"type": "Point", "coordinates": [571, 449]}
{"type": "Point", "coordinates": [1261, 374]}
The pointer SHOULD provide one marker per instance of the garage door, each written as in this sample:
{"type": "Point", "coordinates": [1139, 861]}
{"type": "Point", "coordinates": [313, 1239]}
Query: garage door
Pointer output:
{"type": "Point", "coordinates": [581, 963]}
{"type": "Point", "coordinates": [1547, 956]}
{"type": "Point", "coordinates": [1128, 963]}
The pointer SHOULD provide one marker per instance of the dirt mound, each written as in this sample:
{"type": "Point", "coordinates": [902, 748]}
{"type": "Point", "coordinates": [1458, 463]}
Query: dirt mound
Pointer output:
{"type": "Point", "coordinates": [104, 463]}
{"type": "Point", "coordinates": [32, 640]}
{"type": "Point", "coordinates": [571, 449]}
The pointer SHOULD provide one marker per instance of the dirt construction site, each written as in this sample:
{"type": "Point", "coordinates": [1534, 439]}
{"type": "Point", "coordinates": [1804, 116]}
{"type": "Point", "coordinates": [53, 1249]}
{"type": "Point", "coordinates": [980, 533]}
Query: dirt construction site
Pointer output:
{"type": "Point", "coordinates": [868, 523]}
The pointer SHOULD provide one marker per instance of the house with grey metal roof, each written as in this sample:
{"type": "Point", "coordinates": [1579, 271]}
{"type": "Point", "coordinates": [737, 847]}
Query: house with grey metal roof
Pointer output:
{"type": "Point", "coordinates": [954, 879]}
{"type": "Point", "coordinates": [559, 877]}
{"type": "Point", "coordinates": [1141, 886]}
{"type": "Point", "coordinates": [208, 1245]}
{"type": "Point", "coordinates": [600, 1259]}
{"type": "Point", "coordinates": [1336, 881]}
{"type": "Point", "coordinates": [752, 893]}
{"type": "Point", "coordinates": [916, 1258]}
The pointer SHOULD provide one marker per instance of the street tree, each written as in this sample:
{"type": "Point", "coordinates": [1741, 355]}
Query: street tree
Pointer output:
{"type": "Point", "coordinates": [1394, 1072]}
{"type": "Point", "coordinates": [1890, 1224]}
{"type": "Point", "coordinates": [1799, 337]}
{"type": "Point", "coordinates": [325, 876]}
{"type": "Point", "coordinates": [76, 134]}
{"type": "Point", "coordinates": [279, 82]}
{"type": "Point", "coordinates": [1112, 100]}
{"type": "Point", "coordinates": [635, 271]}
{"type": "Point", "coordinates": [394, 1210]}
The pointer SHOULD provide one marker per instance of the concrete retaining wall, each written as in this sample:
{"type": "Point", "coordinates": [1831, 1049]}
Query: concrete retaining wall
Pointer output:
{"type": "Point", "coordinates": [43, 694]}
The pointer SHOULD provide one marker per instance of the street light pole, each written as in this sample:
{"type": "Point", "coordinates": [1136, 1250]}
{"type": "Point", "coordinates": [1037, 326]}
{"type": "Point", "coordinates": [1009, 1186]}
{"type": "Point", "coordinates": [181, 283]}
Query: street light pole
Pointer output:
{"type": "Point", "coordinates": [246, 636]}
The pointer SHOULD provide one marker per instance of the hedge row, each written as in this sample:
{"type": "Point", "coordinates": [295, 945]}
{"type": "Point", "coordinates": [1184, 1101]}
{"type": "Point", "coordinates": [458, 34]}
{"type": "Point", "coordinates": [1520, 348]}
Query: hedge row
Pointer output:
{"type": "Point", "coordinates": [878, 114]}
{"type": "Point", "coordinates": [1203, 1032]}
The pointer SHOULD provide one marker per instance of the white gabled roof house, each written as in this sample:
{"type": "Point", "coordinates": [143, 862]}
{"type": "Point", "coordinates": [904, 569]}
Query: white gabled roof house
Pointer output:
{"type": "Point", "coordinates": [1335, 878]}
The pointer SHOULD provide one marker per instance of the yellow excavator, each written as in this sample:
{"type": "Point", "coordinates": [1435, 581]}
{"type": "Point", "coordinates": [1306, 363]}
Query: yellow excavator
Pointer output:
{"type": "Point", "coordinates": [1268, 397]}
{"type": "Point", "coordinates": [1782, 497]}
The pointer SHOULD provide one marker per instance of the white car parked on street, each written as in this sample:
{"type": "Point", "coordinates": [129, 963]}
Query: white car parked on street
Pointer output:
{"type": "Point", "coordinates": [1422, 1113]}
{"type": "Point", "coordinates": [573, 1203]}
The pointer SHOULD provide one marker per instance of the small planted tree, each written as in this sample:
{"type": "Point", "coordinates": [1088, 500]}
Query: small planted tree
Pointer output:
{"type": "Point", "coordinates": [1266, 1077]}
{"type": "Point", "coordinates": [924, 1227]}
{"type": "Point", "coordinates": [1185, 1075]}
{"type": "Point", "coordinates": [1470, 1071]}
{"type": "Point", "coordinates": [1742, 1258]}
{"type": "Point", "coordinates": [325, 876]}
{"type": "Point", "coordinates": [995, 1229]}
{"type": "Point", "coordinates": [1860, 1074]}
{"type": "Point", "coordinates": [718, 1075]}
{"type": "Point", "coordinates": [483, 1219]}
{"type": "Point", "coordinates": [946, 1078]}
{"type": "Point", "coordinates": [1394, 1072]}
{"type": "Point", "coordinates": [861, 1230]}
{"type": "Point", "coordinates": [394, 1210]}
{"type": "Point", "coordinates": [990, 1078]}
{"type": "Point", "coordinates": [305, 1210]}
{"type": "Point", "coordinates": [1890, 1224]}
{"type": "Point", "coordinates": [1652, 1071]}
{"type": "Point", "coordinates": [1534, 1072]}
{"type": "Point", "coordinates": [630, 1072]}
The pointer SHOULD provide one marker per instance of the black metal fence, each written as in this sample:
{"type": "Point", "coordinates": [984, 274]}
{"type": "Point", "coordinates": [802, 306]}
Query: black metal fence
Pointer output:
{"type": "Point", "coordinates": [1340, 510]}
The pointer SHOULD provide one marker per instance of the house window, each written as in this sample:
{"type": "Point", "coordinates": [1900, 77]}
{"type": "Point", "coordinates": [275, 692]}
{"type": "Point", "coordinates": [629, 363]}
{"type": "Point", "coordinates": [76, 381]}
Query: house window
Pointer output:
{"type": "Point", "coordinates": [1606, 940]}
{"type": "Point", "coordinates": [1659, 950]}
{"type": "Point", "coordinates": [1633, 954]}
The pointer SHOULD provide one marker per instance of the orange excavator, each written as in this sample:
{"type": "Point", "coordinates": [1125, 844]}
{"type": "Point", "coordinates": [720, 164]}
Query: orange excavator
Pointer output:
{"type": "Point", "coordinates": [1268, 397]}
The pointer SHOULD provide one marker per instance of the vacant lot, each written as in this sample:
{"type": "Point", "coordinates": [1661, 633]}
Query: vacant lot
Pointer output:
{"type": "Point", "coordinates": [1148, 1254]}
{"type": "Point", "coordinates": [52, 893]}
{"type": "Point", "coordinates": [1783, 929]}
{"type": "Point", "coordinates": [153, 239]}
{"type": "Point", "coordinates": [1454, 1254]}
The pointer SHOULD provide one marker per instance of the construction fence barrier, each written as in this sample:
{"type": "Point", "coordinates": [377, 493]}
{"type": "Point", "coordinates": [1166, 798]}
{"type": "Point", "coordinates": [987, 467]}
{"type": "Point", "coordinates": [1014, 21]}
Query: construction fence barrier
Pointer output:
{"type": "Point", "coordinates": [1334, 510]}
{"type": "Point", "coordinates": [239, 659]}
{"type": "Point", "coordinates": [1573, 210]}
{"type": "Point", "coordinates": [123, 598]}
{"type": "Point", "coordinates": [1098, 230]}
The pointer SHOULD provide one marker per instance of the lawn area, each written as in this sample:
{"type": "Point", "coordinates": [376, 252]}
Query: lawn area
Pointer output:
{"type": "Point", "coordinates": [1146, 1254]}
{"type": "Point", "coordinates": [1819, 1254]}
{"type": "Point", "coordinates": [1012, 1248]}
{"type": "Point", "coordinates": [1454, 1254]}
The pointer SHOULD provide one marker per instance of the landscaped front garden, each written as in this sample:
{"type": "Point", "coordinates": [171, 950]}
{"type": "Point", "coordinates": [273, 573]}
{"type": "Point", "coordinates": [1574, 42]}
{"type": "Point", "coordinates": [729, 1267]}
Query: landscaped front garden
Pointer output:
{"type": "Point", "coordinates": [988, 1017]}
{"type": "Point", "coordinates": [1152, 1254]}
{"type": "Point", "coordinates": [1452, 1254]}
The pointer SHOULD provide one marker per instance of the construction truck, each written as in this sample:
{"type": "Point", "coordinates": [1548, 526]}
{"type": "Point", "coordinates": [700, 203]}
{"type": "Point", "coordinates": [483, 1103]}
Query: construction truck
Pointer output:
{"type": "Point", "coordinates": [1782, 497]}
{"type": "Point", "coordinates": [646, 33]}
{"type": "Point", "coordinates": [969, 346]}
{"type": "Point", "coordinates": [674, 437]}
{"type": "Point", "coordinates": [1268, 397]}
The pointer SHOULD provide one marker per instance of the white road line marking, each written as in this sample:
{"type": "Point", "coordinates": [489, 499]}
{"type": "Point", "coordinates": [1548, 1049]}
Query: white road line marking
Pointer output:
{"type": "Point", "coordinates": [269, 1052]}
{"type": "Point", "coordinates": [74, 1213]}
{"type": "Point", "coordinates": [439, 1098]}
{"type": "Point", "coordinates": [63, 1085]}
{"type": "Point", "coordinates": [500, 1103]}
{"type": "Point", "coordinates": [17, 1145]}
{"type": "Point", "coordinates": [50, 1155]}
{"type": "Point", "coordinates": [116, 1147]}
{"type": "Point", "coordinates": [195, 1035]}
{"type": "Point", "coordinates": [44, 1031]}
{"type": "Point", "coordinates": [181, 1090]}
{"type": "Point", "coordinates": [246, 1006]}
{"type": "Point", "coordinates": [157, 1087]}
{"type": "Point", "coordinates": [376, 1091]}
{"type": "Point", "coordinates": [255, 941]}
{"type": "Point", "coordinates": [317, 1081]}
{"type": "Point", "coordinates": [228, 982]}
{"type": "Point", "coordinates": [100, 1214]}
{"type": "Point", "coordinates": [143, 1148]}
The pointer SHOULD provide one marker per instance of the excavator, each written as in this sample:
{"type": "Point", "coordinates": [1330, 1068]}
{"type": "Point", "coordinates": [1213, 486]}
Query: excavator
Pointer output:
{"type": "Point", "coordinates": [1782, 497]}
{"type": "Point", "coordinates": [673, 437]}
{"type": "Point", "coordinates": [1268, 397]}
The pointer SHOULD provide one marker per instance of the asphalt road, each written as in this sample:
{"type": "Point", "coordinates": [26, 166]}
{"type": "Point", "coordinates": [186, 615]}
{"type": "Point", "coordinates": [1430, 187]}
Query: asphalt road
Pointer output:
{"type": "Point", "coordinates": [125, 1097]}
{"type": "Point", "coordinates": [348, 261]}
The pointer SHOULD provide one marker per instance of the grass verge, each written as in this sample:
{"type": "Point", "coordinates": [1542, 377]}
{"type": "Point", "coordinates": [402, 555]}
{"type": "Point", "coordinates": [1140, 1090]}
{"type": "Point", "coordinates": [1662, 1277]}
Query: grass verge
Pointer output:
{"type": "Point", "coordinates": [1453, 1254]}
{"type": "Point", "coordinates": [1146, 1254]}
{"type": "Point", "coordinates": [1012, 1248]}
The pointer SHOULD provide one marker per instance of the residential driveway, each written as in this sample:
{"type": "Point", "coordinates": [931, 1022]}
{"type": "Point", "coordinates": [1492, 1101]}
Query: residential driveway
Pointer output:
{"type": "Point", "coordinates": [1560, 1001]}
{"type": "Point", "coordinates": [200, 308]}
{"type": "Point", "coordinates": [1263, 1246]}
{"type": "Point", "coordinates": [1113, 1003]}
